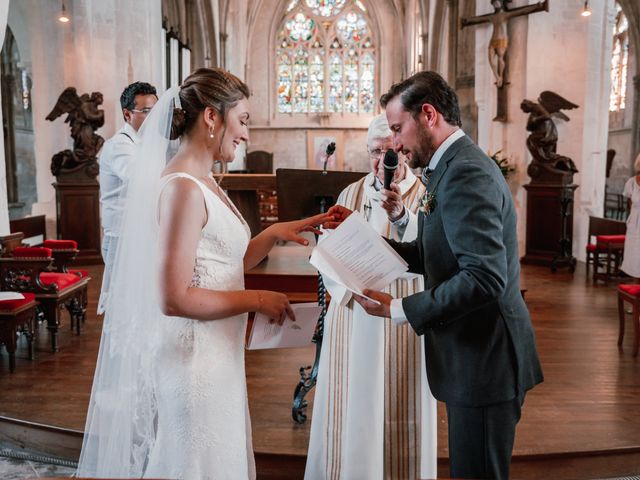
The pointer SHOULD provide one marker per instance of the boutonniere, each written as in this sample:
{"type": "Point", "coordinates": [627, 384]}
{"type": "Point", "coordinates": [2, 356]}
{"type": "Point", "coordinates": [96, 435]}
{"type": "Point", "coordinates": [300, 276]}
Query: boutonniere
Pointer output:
{"type": "Point", "coordinates": [428, 202]}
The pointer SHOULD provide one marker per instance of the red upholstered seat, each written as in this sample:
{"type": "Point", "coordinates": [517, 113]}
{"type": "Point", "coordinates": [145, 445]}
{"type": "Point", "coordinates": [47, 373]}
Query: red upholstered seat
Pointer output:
{"type": "Point", "coordinates": [610, 239]}
{"type": "Point", "coordinates": [64, 253]}
{"type": "Point", "coordinates": [43, 272]}
{"type": "Point", "coordinates": [10, 305]}
{"type": "Point", "coordinates": [63, 280]}
{"type": "Point", "coordinates": [630, 289]}
{"type": "Point", "coordinates": [605, 247]}
{"type": "Point", "coordinates": [80, 273]}
{"type": "Point", "coordinates": [60, 244]}
{"type": "Point", "coordinates": [14, 314]}
{"type": "Point", "coordinates": [32, 252]}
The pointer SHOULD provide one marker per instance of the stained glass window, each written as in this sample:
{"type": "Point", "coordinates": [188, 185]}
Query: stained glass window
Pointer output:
{"type": "Point", "coordinates": [619, 62]}
{"type": "Point", "coordinates": [325, 58]}
{"type": "Point", "coordinates": [291, 5]}
{"type": "Point", "coordinates": [326, 8]}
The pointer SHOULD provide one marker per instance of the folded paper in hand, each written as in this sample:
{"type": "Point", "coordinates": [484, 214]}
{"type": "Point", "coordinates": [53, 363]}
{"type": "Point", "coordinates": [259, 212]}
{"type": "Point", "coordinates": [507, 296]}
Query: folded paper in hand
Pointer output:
{"type": "Point", "coordinates": [357, 257]}
{"type": "Point", "coordinates": [265, 334]}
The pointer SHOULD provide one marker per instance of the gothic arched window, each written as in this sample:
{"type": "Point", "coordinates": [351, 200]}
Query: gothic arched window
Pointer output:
{"type": "Point", "coordinates": [619, 60]}
{"type": "Point", "coordinates": [325, 58]}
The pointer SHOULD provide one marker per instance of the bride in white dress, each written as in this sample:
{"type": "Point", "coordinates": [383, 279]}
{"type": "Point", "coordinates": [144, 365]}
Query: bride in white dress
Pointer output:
{"type": "Point", "coordinates": [169, 398]}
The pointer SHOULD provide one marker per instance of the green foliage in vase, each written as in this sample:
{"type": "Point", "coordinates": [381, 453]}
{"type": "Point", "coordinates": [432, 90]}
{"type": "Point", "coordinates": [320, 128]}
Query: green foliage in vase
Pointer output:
{"type": "Point", "coordinates": [502, 163]}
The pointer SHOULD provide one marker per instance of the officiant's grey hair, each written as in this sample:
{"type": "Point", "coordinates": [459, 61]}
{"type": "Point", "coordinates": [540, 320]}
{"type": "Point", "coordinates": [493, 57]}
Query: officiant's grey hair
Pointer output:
{"type": "Point", "coordinates": [378, 129]}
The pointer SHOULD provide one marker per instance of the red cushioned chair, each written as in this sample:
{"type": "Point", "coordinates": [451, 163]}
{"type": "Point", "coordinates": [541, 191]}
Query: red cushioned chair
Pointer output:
{"type": "Point", "coordinates": [612, 248]}
{"type": "Point", "coordinates": [14, 315]}
{"type": "Point", "coordinates": [606, 247]}
{"type": "Point", "coordinates": [631, 294]}
{"type": "Point", "coordinates": [64, 252]}
{"type": "Point", "coordinates": [29, 270]}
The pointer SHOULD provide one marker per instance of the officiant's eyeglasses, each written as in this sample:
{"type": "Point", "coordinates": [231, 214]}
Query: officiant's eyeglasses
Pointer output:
{"type": "Point", "coordinates": [376, 152]}
{"type": "Point", "coordinates": [143, 111]}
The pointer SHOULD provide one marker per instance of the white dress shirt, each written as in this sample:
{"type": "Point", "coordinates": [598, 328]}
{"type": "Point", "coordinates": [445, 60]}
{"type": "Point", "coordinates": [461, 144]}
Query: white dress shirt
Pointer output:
{"type": "Point", "coordinates": [397, 312]}
{"type": "Point", "coordinates": [115, 157]}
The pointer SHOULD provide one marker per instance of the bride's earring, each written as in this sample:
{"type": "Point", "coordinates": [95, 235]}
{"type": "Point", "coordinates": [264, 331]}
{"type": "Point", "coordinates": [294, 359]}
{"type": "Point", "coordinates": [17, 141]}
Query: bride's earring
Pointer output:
{"type": "Point", "coordinates": [211, 135]}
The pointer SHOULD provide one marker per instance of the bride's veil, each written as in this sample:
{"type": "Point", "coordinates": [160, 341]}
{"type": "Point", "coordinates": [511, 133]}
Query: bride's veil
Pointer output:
{"type": "Point", "coordinates": [121, 422]}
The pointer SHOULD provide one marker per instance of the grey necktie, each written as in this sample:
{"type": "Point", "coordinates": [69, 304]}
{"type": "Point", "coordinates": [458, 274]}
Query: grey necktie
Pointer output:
{"type": "Point", "coordinates": [426, 173]}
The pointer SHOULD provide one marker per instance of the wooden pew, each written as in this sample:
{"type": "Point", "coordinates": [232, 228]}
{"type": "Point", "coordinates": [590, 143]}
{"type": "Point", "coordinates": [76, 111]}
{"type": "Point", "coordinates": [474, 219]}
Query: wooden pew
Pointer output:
{"type": "Point", "coordinates": [33, 228]}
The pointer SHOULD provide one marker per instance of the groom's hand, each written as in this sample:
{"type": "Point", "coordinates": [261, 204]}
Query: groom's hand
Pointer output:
{"type": "Point", "coordinates": [381, 309]}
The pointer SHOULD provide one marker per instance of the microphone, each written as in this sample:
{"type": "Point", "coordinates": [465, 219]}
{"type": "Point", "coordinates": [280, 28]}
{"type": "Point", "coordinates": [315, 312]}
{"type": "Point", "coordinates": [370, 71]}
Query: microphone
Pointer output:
{"type": "Point", "coordinates": [331, 148]}
{"type": "Point", "coordinates": [390, 163]}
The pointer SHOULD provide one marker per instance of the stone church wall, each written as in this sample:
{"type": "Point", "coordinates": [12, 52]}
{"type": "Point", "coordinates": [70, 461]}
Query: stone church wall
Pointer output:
{"type": "Point", "coordinates": [103, 48]}
{"type": "Point", "coordinates": [289, 147]}
{"type": "Point", "coordinates": [568, 54]}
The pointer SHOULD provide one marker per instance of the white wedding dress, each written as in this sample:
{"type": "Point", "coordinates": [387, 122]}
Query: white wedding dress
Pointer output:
{"type": "Point", "coordinates": [169, 396]}
{"type": "Point", "coordinates": [203, 426]}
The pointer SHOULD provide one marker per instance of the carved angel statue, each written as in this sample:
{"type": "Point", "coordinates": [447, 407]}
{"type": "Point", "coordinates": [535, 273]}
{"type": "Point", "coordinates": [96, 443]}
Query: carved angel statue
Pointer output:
{"type": "Point", "coordinates": [84, 118]}
{"type": "Point", "coordinates": [543, 139]}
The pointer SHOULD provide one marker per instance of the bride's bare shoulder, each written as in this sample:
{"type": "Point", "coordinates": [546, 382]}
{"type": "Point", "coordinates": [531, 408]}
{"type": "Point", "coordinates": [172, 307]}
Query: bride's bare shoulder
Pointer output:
{"type": "Point", "coordinates": [182, 200]}
{"type": "Point", "coordinates": [181, 188]}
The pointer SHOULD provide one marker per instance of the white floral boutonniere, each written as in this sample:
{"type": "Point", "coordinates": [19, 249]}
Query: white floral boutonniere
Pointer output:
{"type": "Point", "coordinates": [428, 202]}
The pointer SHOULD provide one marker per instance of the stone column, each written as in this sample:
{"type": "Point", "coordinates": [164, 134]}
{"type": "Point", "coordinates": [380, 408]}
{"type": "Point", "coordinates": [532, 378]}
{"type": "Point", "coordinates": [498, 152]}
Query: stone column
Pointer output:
{"type": "Point", "coordinates": [635, 124]}
{"type": "Point", "coordinates": [454, 23]}
{"type": "Point", "coordinates": [223, 49]}
{"type": "Point", "coordinates": [4, 203]}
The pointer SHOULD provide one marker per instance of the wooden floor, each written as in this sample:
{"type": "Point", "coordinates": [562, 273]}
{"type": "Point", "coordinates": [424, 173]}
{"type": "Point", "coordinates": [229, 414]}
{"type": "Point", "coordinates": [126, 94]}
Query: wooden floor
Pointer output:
{"type": "Point", "coordinates": [582, 422]}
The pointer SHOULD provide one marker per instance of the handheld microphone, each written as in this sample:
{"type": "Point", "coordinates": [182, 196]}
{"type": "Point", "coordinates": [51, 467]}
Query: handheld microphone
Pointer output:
{"type": "Point", "coordinates": [390, 163]}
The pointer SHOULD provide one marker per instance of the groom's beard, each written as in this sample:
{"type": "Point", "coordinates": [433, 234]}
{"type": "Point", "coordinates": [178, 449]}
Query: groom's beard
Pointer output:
{"type": "Point", "coordinates": [422, 153]}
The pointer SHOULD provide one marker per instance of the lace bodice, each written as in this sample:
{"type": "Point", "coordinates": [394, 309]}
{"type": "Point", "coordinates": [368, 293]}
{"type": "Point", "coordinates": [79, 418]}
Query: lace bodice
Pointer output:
{"type": "Point", "coordinates": [221, 249]}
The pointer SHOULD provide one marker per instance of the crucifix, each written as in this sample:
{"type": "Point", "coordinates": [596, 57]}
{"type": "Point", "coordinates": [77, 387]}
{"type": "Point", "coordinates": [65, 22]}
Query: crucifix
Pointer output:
{"type": "Point", "coordinates": [499, 43]}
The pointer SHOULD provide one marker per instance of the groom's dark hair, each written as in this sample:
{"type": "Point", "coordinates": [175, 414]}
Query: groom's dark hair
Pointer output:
{"type": "Point", "coordinates": [426, 87]}
{"type": "Point", "coordinates": [128, 97]}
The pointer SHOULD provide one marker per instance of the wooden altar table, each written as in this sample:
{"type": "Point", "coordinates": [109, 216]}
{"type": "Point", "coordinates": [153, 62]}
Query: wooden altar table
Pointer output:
{"type": "Point", "coordinates": [287, 270]}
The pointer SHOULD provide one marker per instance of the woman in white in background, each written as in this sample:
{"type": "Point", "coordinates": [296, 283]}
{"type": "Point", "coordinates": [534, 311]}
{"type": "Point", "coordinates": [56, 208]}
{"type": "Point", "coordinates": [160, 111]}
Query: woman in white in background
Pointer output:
{"type": "Point", "coordinates": [373, 413]}
{"type": "Point", "coordinates": [631, 262]}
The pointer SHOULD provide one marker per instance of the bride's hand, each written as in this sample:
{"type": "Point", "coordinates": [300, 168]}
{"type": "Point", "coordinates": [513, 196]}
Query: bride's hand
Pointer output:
{"type": "Point", "coordinates": [290, 231]}
{"type": "Point", "coordinates": [275, 306]}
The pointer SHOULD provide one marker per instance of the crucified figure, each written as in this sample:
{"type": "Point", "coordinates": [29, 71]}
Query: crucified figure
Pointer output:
{"type": "Point", "coordinates": [499, 43]}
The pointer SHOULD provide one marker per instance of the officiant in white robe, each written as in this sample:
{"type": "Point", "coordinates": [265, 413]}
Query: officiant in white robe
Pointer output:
{"type": "Point", "coordinates": [373, 414]}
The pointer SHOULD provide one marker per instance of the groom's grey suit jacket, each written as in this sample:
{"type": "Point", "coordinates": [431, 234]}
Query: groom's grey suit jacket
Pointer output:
{"type": "Point", "coordinates": [480, 344]}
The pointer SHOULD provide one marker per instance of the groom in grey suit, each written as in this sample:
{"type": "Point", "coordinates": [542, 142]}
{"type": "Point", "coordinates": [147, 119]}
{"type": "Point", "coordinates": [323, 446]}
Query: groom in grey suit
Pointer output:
{"type": "Point", "coordinates": [480, 347]}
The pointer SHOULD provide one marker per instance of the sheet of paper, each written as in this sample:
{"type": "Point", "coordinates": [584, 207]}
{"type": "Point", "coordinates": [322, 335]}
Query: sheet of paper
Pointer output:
{"type": "Point", "coordinates": [11, 296]}
{"type": "Point", "coordinates": [290, 334]}
{"type": "Point", "coordinates": [357, 257]}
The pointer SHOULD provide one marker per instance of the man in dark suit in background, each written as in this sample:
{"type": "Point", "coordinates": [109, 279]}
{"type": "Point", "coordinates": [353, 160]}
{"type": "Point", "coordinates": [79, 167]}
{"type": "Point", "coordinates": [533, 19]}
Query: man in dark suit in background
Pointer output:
{"type": "Point", "coordinates": [480, 347]}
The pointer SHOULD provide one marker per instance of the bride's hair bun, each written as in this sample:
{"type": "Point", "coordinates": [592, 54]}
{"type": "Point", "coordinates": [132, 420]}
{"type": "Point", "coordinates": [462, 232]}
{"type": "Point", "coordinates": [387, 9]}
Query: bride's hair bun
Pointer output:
{"type": "Point", "coordinates": [178, 123]}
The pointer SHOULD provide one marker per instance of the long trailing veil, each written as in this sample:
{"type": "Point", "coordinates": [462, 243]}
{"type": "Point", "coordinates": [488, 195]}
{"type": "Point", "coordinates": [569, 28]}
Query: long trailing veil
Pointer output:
{"type": "Point", "coordinates": [120, 429]}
